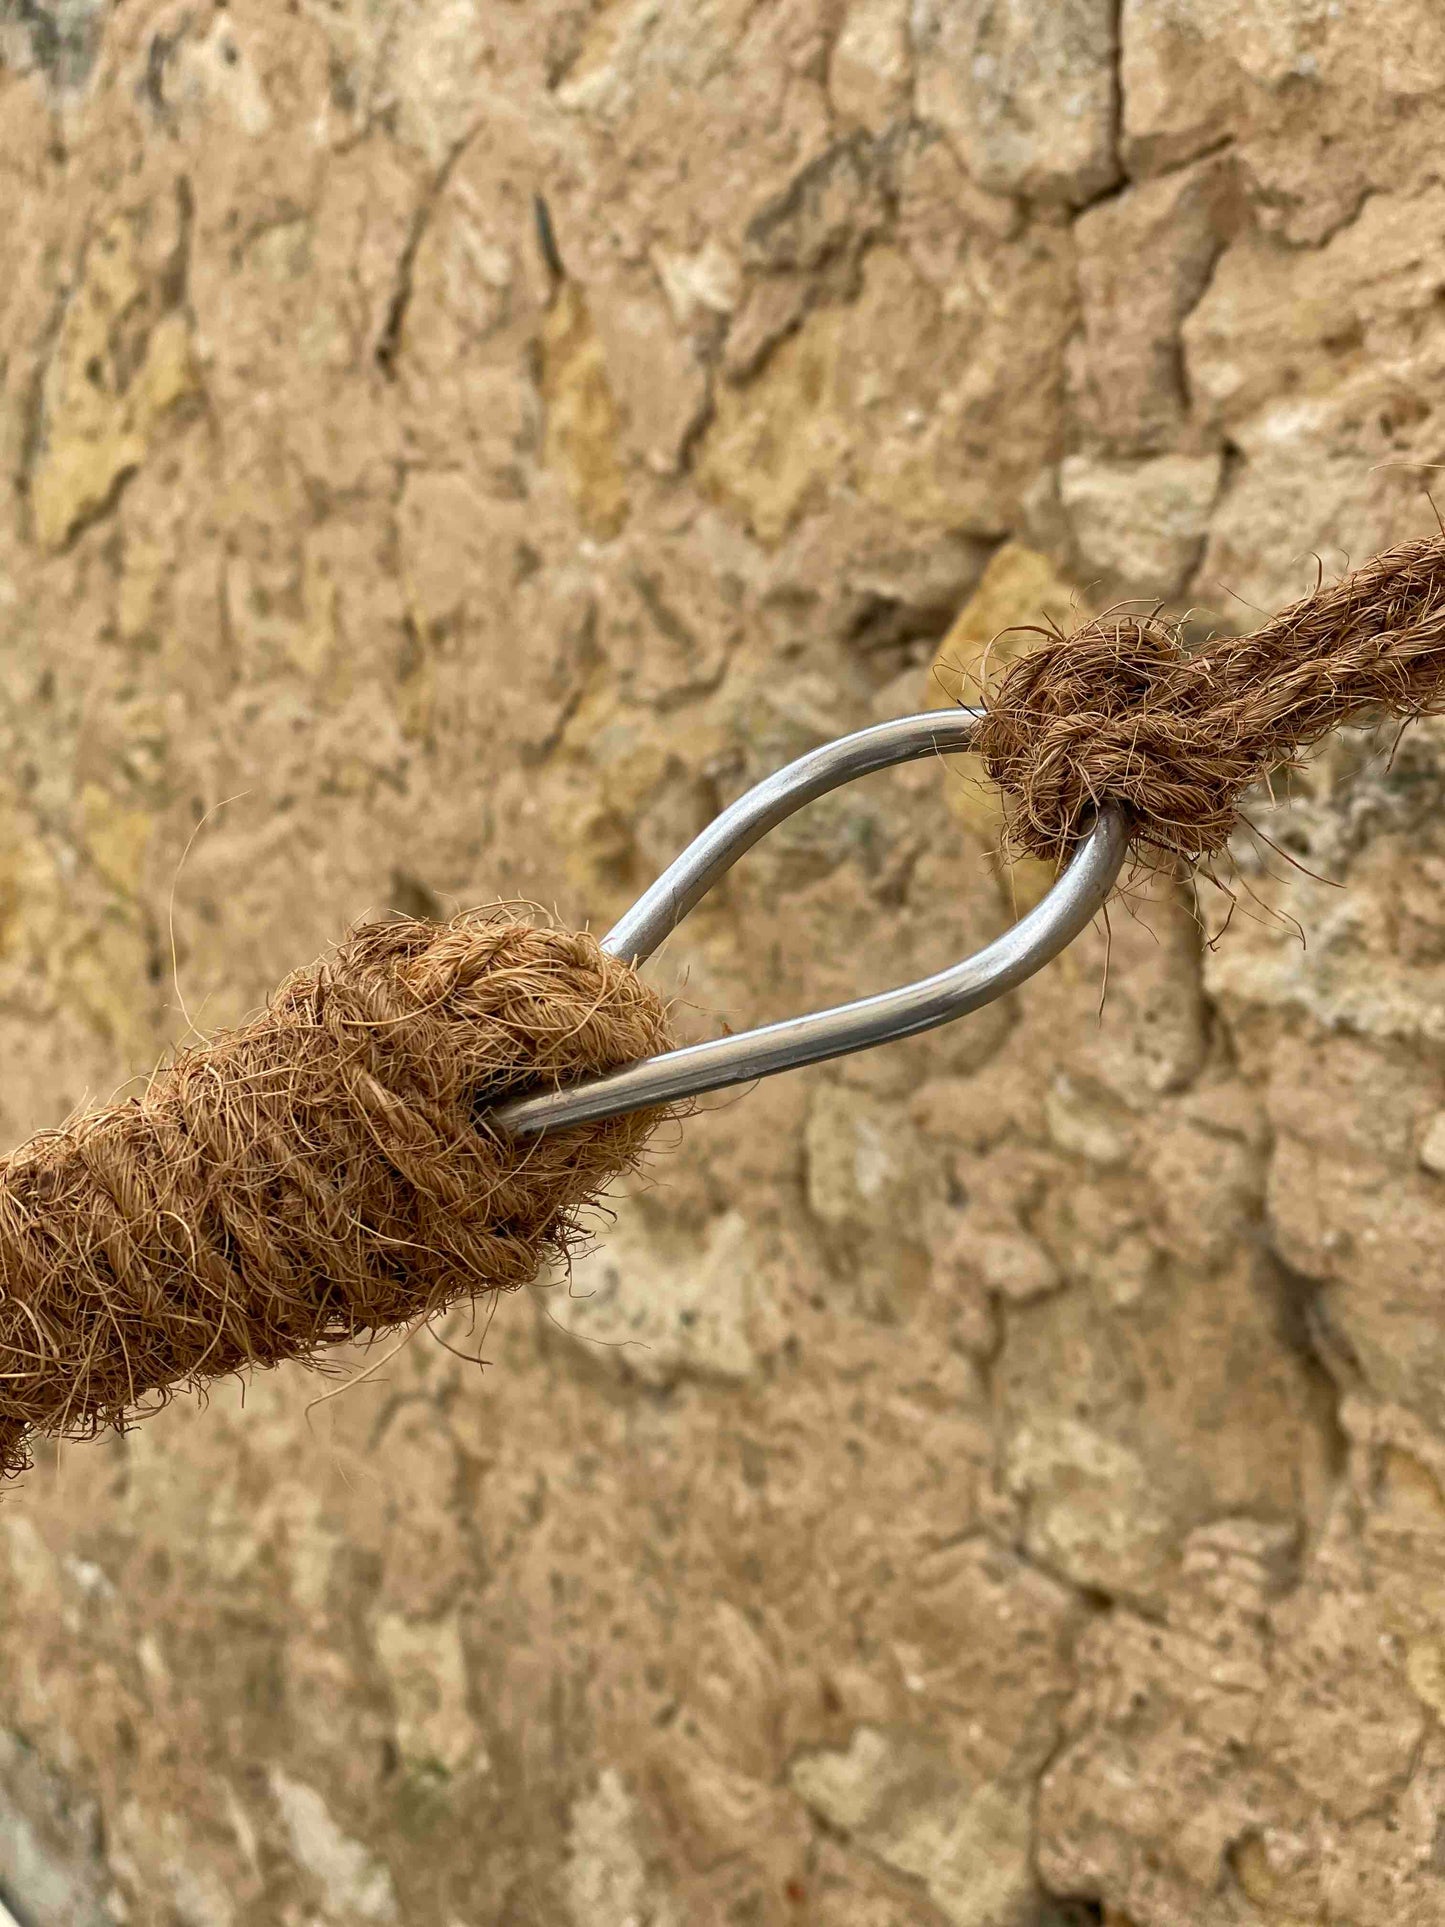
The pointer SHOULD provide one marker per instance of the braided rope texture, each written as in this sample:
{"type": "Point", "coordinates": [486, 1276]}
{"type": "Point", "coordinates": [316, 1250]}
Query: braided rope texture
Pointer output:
{"type": "Point", "coordinates": [1118, 712]}
{"type": "Point", "coordinates": [322, 1173]}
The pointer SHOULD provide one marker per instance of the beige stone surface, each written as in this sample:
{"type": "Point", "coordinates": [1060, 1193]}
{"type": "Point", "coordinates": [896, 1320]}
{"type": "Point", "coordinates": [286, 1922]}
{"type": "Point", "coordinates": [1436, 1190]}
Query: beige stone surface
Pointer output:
{"type": "Point", "coordinates": [993, 1481]}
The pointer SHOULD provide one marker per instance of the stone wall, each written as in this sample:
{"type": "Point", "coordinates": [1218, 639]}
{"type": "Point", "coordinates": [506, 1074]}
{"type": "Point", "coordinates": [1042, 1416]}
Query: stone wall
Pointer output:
{"type": "Point", "coordinates": [995, 1481]}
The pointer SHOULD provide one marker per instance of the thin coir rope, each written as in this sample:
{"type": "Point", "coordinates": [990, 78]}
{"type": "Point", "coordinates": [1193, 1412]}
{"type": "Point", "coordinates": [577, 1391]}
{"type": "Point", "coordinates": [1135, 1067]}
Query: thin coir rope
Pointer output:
{"type": "Point", "coordinates": [1119, 712]}
{"type": "Point", "coordinates": [327, 1171]}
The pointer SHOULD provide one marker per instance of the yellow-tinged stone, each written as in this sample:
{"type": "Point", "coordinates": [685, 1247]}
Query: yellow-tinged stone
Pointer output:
{"type": "Point", "coordinates": [845, 399]}
{"type": "Point", "coordinates": [1268, 1889]}
{"type": "Point", "coordinates": [1425, 1670]}
{"type": "Point", "coordinates": [581, 437]}
{"type": "Point", "coordinates": [1019, 594]}
{"type": "Point", "coordinates": [775, 445]}
{"type": "Point", "coordinates": [144, 569]}
{"type": "Point", "coordinates": [116, 838]}
{"type": "Point", "coordinates": [310, 646]}
{"type": "Point", "coordinates": [599, 848]}
{"type": "Point", "coordinates": [415, 694]}
{"type": "Point", "coordinates": [1410, 1486]}
{"type": "Point", "coordinates": [597, 843]}
{"type": "Point", "coordinates": [1020, 591]}
{"type": "Point", "coordinates": [623, 772]}
{"type": "Point", "coordinates": [13, 863]}
{"type": "Point", "coordinates": [75, 477]}
{"type": "Point", "coordinates": [595, 713]}
{"type": "Point", "coordinates": [168, 373]}
{"type": "Point", "coordinates": [880, 396]}
{"type": "Point", "coordinates": [105, 977]}
{"type": "Point", "coordinates": [100, 400]}
{"type": "Point", "coordinates": [630, 779]}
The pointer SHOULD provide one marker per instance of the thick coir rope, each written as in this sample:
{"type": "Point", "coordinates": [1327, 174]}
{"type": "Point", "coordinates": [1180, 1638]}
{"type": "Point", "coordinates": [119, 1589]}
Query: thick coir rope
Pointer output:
{"type": "Point", "coordinates": [322, 1173]}
{"type": "Point", "coordinates": [327, 1171]}
{"type": "Point", "coordinates": [1119, 713]}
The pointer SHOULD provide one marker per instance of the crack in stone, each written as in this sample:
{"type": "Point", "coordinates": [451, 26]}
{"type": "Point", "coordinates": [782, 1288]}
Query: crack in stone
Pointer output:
{"type": "Point", "coordinates": [389, 340]}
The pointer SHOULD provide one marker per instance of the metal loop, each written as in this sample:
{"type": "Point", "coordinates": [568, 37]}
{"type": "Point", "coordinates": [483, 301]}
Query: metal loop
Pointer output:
{"type": "Point", "coordinates": [1000, 966]}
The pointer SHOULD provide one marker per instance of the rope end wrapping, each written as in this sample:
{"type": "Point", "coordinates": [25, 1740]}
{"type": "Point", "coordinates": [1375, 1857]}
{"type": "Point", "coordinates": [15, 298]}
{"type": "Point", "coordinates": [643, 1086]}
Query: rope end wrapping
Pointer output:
{"type": "Point", "coordinates": [322, 1173]}
{"type": "Point", "coordinates": [1120, 712]}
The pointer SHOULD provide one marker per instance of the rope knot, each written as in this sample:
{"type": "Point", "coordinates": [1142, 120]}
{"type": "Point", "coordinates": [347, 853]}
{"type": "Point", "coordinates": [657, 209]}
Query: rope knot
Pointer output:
{"type": "Point", "coordinates": [1120, 712]}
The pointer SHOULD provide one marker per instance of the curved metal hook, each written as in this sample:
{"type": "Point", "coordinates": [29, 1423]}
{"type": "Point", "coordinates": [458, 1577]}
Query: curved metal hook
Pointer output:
{"type": "Point", "coordinates": [1001, 965]}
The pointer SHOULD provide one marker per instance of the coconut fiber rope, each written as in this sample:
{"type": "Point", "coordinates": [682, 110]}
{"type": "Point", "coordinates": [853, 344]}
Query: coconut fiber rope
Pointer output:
{"type": "Point", "coordinates": [1119, 712]}
{"type": "Point", "coordinates": [321, 1173]}
{"type": "Point", "coordinates": [327, 1171]}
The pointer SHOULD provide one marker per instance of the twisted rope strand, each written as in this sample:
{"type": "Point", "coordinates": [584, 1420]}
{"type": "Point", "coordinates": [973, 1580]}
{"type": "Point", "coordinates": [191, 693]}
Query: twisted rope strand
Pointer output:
{"type": "Point", "coordinates": [1118, 712]}
{"type": "Point", "coordinates": [322, 1173]}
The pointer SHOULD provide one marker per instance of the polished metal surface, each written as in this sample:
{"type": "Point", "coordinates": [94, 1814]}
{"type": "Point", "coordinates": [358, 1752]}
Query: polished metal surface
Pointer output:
{"type": "Point", "coordinates": [1000, 966]}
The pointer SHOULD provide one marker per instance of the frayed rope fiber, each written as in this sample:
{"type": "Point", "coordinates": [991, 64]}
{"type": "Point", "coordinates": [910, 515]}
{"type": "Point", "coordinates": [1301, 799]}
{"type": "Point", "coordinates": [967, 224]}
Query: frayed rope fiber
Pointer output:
{"type": "Point", "coordinates": [322, 1173]}
{"type": "Point", "coordinates": [1118, 712]}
